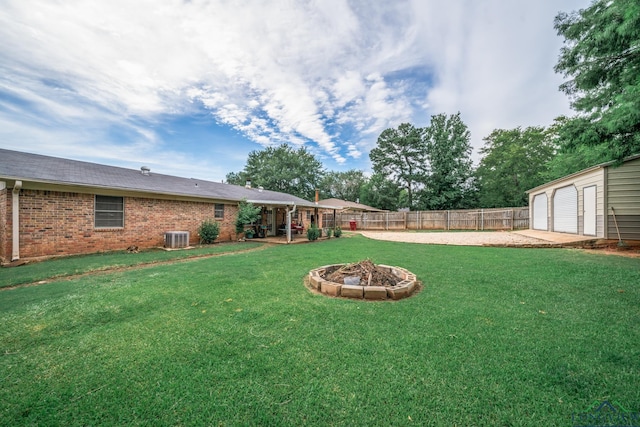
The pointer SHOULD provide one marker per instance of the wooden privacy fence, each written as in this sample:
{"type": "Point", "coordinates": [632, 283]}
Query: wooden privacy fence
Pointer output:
{"type": "Point", "coordinates": [470, 219]}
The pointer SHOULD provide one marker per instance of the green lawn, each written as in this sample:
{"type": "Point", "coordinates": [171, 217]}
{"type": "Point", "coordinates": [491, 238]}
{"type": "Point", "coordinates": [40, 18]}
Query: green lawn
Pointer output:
{"type": "Point", "coordinates": [80, 264]}
{"type": "Point", "coordinates": [498, 336]}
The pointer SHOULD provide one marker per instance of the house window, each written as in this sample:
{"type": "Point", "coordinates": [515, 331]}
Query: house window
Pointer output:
{"type": "Point", "coordinates": [109, 212]}
{"type": "Point", "coordinates": [308, 215]}
{"type": "Point", "coordinates": [218, 211]}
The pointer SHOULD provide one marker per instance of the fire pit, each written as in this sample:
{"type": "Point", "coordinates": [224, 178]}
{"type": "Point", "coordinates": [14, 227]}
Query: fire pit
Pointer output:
{"type": "Point", "coordinates": [363, 280]}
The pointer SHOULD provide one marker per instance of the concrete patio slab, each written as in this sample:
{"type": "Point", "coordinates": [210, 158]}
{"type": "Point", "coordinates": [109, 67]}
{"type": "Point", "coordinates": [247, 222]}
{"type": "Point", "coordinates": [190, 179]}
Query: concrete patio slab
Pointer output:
{"type": "Point", "coordinates": [520, 238]}
{"type": "Point", "coordinates": [549, 236]}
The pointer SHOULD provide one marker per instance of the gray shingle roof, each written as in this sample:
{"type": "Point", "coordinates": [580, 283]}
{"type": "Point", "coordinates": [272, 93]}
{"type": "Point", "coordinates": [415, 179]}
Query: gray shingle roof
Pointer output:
{"type": "Point", "coordinates": [16, 165]}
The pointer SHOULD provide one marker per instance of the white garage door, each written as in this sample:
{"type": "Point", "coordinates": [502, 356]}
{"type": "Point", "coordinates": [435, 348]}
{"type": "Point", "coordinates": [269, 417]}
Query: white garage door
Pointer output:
{"type": "Point", "coordinates": [565, 210]}
{"type": "Point", "coordinates": [540, 212]}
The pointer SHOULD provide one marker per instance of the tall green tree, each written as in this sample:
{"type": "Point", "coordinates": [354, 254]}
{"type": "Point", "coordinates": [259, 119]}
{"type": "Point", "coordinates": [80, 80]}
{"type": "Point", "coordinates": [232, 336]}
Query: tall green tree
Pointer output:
{"type": "Point", "coordinates": [570, 158]}
{"type": "Point", "coordinates": [382, 193]}
{"type": "Point", "coordinates": [513, 162]}
{"type": "Point", "coordinates": [601, 59]}
{"type": "Point", "coordinates": [401, 157]}
{"type": "Point", "coordinates": [283, 169]}
{"type": "Point", "coordinates": [449, 183]}
{"type": "Point", "coordinates": [342, 185]}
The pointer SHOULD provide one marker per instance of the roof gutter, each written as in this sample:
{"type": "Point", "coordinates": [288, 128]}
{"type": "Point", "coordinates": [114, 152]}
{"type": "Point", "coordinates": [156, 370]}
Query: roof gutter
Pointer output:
{"type": "Point", "coordinates": [271, 202]}
{"type": "Point", "coordinates": [306, 204]}
{"type": "Point", "coordinates": [15, 211]}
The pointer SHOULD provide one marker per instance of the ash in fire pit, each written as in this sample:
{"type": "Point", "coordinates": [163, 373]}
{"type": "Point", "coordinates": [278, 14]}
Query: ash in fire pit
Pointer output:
{"type": "Point", "coordinates": [363, 280]}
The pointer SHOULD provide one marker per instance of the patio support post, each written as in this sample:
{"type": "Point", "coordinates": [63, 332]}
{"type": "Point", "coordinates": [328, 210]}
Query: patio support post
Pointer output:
{"type": "Point", "coordinates": [289, 212]}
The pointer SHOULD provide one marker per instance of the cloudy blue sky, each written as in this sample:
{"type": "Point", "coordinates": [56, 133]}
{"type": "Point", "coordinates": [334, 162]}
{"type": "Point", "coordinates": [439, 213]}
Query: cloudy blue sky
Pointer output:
{"type": "Point", "coordinates": [190, 87]}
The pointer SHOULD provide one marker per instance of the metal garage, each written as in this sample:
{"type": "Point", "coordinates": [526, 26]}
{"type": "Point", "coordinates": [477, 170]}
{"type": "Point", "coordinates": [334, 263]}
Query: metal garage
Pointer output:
{"type": "Point", "coordinates": [601, 201]}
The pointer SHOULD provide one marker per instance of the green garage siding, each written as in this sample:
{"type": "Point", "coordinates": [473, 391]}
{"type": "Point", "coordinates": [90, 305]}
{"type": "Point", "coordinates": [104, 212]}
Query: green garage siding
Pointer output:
{"type": "Point", "coordinates": [623, 190]}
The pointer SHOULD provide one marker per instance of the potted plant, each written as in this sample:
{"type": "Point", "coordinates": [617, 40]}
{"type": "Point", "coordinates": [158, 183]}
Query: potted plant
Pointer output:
{"type": "Point", "coordinates": [247, 214]}
{"type": "Point", "coordinates": [249, 233]}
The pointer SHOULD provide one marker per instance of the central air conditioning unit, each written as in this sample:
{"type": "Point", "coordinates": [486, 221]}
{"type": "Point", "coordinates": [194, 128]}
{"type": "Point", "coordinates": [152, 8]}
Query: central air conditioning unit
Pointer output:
{"type": "Point", "coordinates": [176, 239]}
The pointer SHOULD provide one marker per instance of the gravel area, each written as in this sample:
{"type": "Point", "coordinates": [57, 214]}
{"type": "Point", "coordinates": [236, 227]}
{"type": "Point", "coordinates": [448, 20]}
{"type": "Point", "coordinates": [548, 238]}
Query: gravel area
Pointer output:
{"type": "Point", "coordinates": [463, 238]}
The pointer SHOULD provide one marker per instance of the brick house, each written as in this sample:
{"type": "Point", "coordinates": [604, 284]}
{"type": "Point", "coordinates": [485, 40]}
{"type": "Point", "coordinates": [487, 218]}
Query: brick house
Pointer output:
{"type": "Point", "coordinates": [53, 206]}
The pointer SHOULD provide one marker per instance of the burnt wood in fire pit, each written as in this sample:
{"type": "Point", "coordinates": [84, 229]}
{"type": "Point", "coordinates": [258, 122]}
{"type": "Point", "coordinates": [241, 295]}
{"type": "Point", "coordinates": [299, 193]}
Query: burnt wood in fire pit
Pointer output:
{"type": "Point", "coordinates": [375, 281]}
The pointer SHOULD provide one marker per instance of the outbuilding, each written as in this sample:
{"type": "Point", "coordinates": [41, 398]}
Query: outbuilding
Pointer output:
{"type": "Point", "coordinates": [601, 201]}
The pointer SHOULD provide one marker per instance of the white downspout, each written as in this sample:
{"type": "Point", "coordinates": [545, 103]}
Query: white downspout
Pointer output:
{"type": "Point", "coordinates": [289, 212]}
{"type": "Point", "coordinates": [15, 211]}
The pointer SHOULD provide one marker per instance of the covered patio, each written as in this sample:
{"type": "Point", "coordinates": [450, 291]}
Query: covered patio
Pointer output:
{"type": "Point", "coordinates": [284, 221]}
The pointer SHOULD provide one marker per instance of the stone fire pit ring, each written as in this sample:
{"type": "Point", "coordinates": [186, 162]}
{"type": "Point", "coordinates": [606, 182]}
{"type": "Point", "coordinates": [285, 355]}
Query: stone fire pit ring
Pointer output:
{"type": "Point", "coordinates": [407, 285]}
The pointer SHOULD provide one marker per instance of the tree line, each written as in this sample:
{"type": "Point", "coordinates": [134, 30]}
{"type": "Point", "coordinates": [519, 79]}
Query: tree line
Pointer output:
{"type": "Point", "coordinates": [430, 168]}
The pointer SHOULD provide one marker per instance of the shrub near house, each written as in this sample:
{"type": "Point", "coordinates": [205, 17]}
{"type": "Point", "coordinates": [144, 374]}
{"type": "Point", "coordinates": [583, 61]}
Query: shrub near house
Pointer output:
{"type": "Point", "coordinates": [208, 231]}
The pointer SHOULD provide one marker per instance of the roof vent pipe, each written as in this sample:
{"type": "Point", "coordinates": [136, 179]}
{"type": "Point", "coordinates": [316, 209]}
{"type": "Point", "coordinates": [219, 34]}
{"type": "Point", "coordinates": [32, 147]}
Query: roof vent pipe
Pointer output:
{"type": "Point", "coordinates": [247, 184]}
{"type": "Point", "coordinates": [145, 170]}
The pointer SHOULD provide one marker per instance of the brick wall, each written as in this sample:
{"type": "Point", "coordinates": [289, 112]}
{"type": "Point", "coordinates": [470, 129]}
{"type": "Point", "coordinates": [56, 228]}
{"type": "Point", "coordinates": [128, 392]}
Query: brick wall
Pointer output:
{"type": "Point", "coordinates": [60, 223]}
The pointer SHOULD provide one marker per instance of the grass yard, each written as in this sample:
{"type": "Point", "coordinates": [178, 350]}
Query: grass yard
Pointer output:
{"type": "Point", "coordinates": [498, 336]}
{"type": "Point", "coordinates": [80, 264]}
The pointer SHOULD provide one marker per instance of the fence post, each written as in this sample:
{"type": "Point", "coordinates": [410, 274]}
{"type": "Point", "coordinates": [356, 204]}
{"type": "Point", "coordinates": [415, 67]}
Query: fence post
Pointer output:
{"type": "Point", "coordinates": [482, 216]}
{"type": "Point", "coordinates": [448, 222]}
{"type": "Point", "coordinates": [512, 219]}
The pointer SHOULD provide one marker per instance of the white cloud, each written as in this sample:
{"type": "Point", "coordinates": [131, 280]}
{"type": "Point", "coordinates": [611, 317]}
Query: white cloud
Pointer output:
{"type": "Point", "coordinates": [495, 63]}
{"type": "Point", "coordinates": [139, 151]}
{"type": "Point", "coordinates": [354, 151]}
{"type": "Point", "coordinates": [305, 73]}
